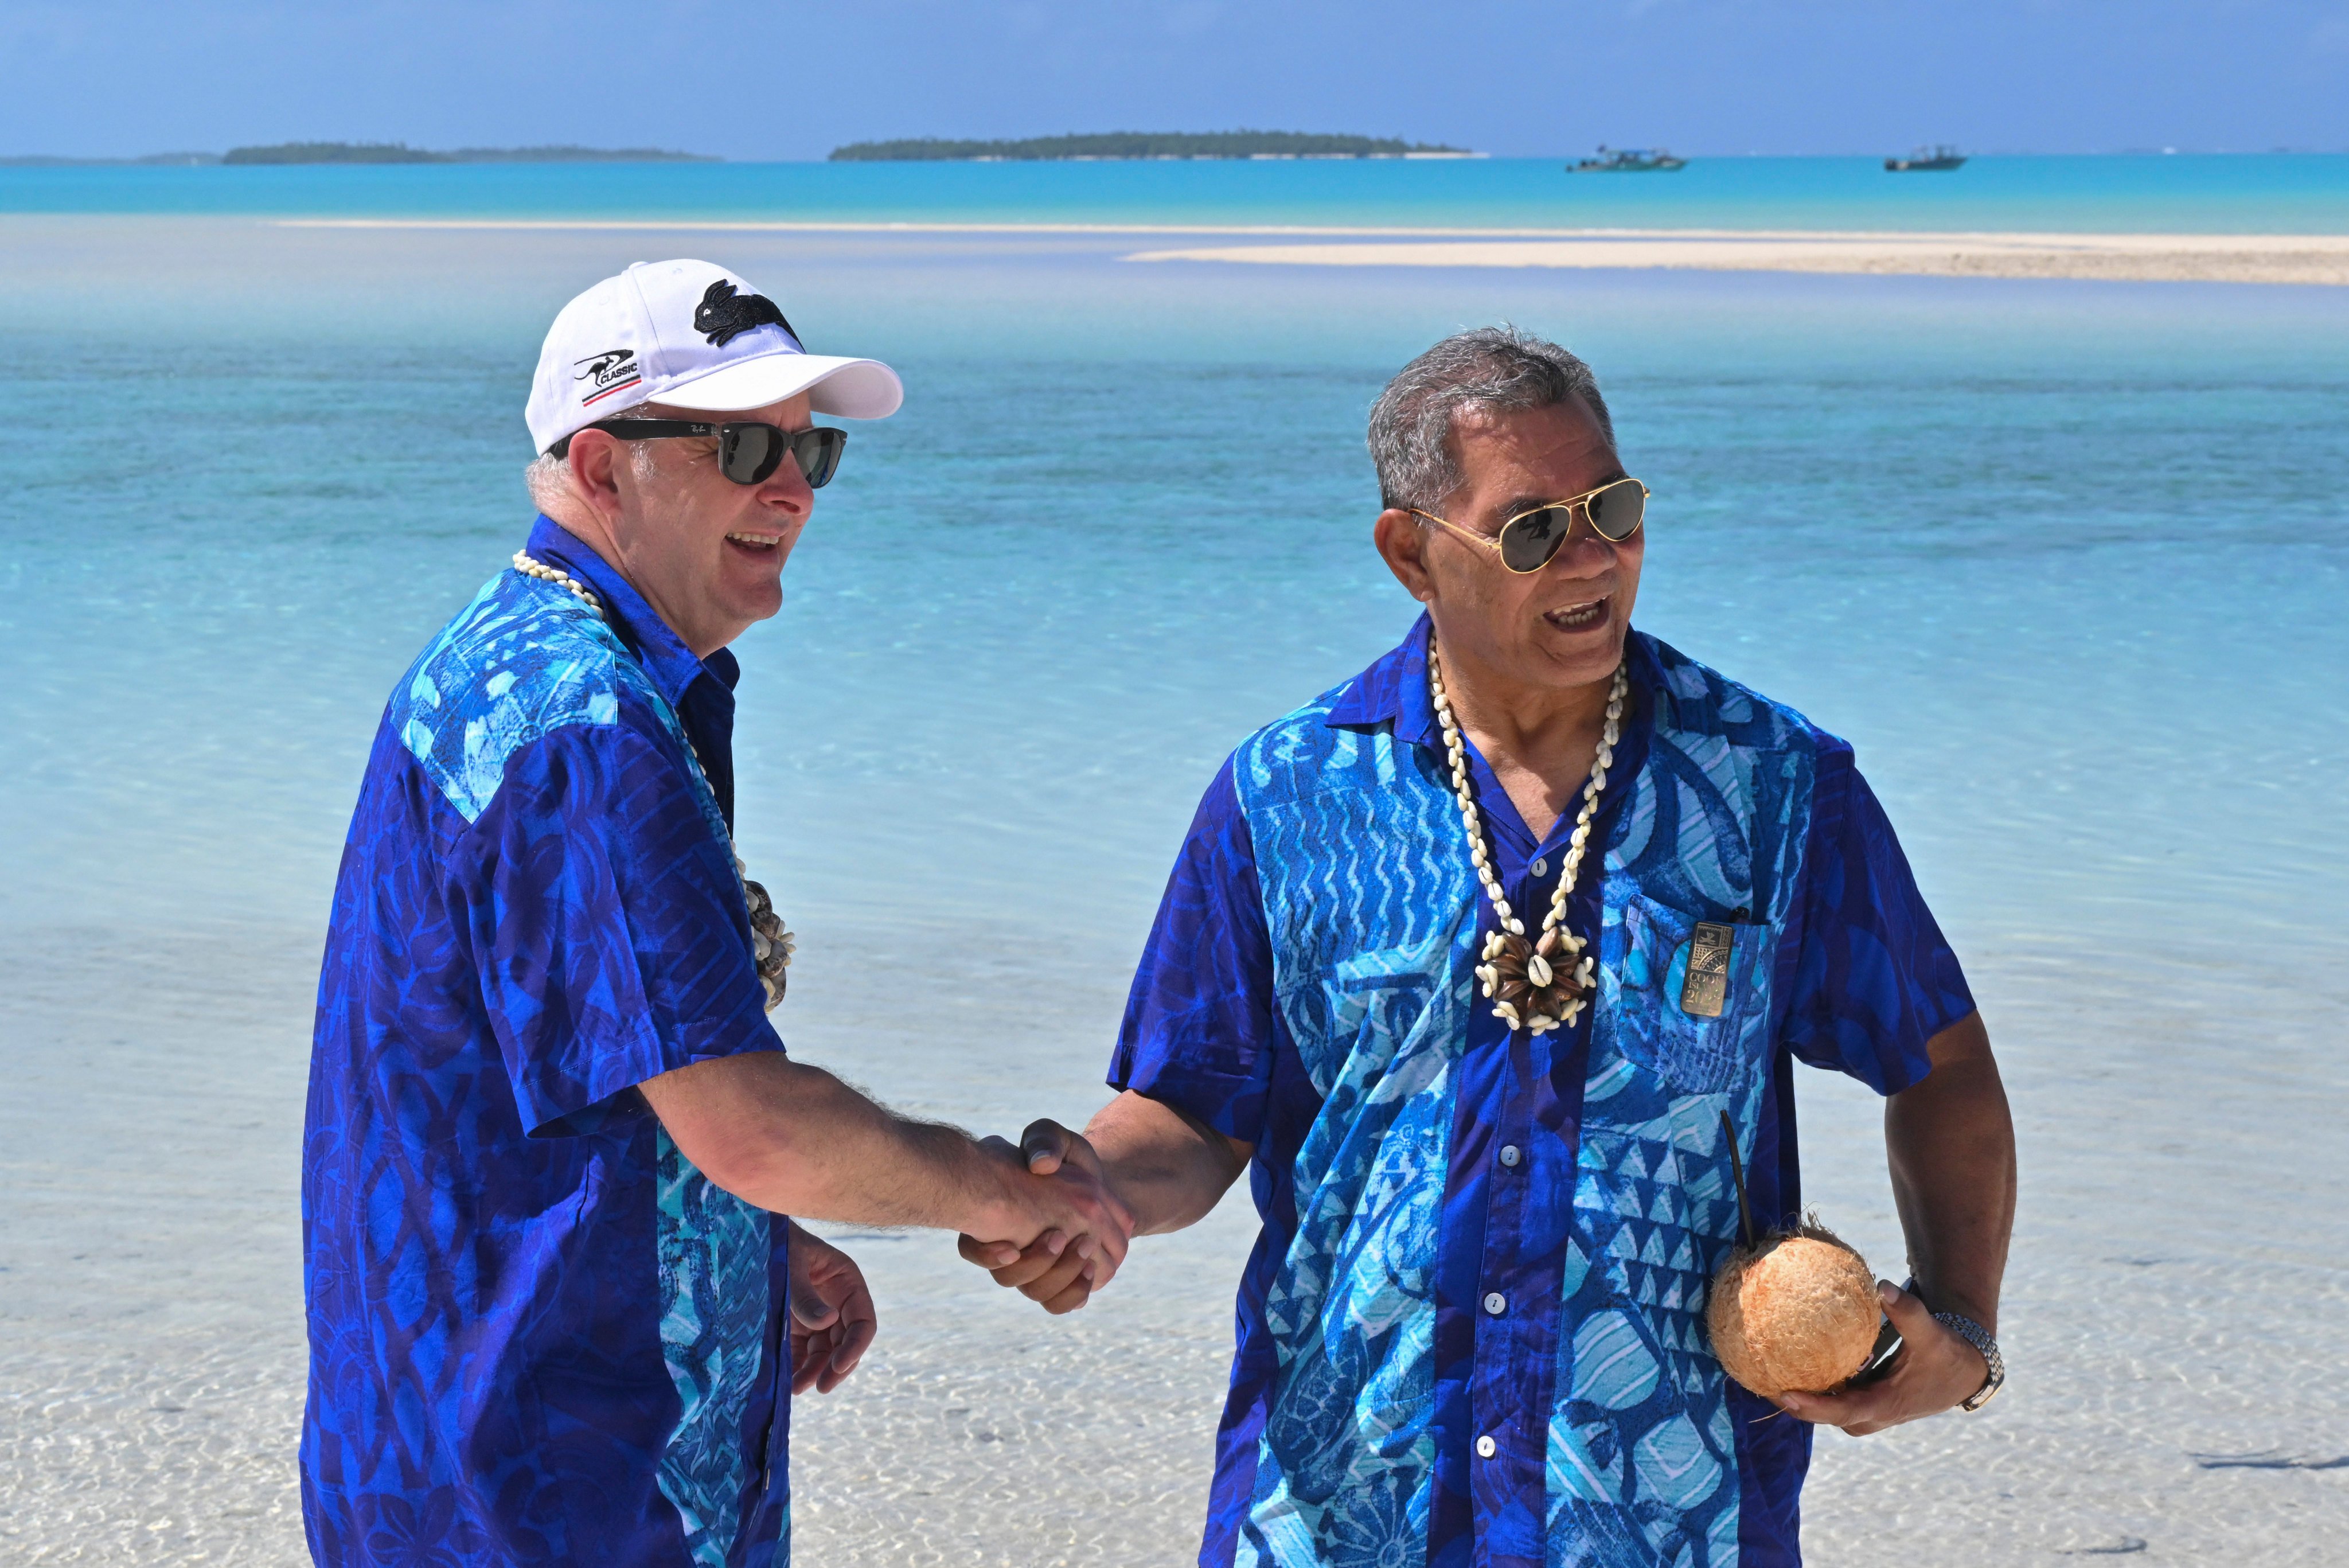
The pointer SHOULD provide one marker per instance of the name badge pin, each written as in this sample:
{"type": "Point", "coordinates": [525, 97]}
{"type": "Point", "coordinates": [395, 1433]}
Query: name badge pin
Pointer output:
{"type": "Point", "coordinates": [1705, 991]}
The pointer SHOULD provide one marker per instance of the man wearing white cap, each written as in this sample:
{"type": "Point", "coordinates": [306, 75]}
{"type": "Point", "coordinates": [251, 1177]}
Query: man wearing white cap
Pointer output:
{"type": "Point", "coordinates": [557, 1312]}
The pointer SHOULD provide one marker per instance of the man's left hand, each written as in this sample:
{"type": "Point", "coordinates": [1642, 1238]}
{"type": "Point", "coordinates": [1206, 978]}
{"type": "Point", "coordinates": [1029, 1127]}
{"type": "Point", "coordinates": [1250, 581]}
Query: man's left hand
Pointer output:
{"type": "Point", "coordinates": [1934, 1371]}
{"type": "Point", "coordinates": [831, 1318]}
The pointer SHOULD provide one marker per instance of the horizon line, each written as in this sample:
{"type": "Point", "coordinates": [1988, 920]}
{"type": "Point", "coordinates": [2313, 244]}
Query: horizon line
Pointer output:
{"type": "Point", "coordinates": [205, 158]}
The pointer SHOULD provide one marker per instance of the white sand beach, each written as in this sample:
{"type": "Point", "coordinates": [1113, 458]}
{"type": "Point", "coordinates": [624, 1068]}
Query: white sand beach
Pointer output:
{"type": "Point", "coordinates": [2142, 258]}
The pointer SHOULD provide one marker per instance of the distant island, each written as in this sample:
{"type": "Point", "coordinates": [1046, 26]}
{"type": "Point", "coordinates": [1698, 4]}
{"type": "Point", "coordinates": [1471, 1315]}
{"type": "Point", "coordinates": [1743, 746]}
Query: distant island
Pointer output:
{"type": "Point", "coordinates": [1146, 144]}
{"type": "Point", "coordinates": [400, 152]}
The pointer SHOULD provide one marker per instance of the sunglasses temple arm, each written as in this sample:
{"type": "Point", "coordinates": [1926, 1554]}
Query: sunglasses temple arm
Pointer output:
{"type": "Point", "coordinates": [1492, 545]}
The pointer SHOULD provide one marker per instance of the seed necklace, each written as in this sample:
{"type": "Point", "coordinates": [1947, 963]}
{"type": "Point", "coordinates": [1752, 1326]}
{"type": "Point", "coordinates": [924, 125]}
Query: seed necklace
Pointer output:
{"type": "Point", "coordinates": [770, 944]}
{"type": "Point", "coordinates": [1541, 984]}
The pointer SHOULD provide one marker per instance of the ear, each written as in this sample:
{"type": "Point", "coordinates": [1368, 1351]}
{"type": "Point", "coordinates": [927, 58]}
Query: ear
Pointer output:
{"type": "Point", "coordinates": [595, 464]}
{"type": "Point", "coordinates": [1401, 539]}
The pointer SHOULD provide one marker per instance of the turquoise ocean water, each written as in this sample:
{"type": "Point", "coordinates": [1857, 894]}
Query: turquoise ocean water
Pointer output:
{"type": "Point", "coordinates": [2065, 560]}
{"type": "Point", "coordinates": [2261, 194]}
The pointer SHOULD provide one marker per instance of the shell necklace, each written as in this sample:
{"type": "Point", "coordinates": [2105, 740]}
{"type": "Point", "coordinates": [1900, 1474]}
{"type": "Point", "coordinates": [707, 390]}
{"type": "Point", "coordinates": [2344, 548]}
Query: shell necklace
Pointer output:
{"type": "Point", "coordinates": [1542, 984]}
{"type": "Point", "coordinates": [771, 943]}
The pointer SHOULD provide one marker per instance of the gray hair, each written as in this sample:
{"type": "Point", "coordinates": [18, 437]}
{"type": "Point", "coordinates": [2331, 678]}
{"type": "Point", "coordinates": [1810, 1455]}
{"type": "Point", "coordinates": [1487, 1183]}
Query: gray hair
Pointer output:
{"type": "Point", "coordinates": [1492, 370]}
{"type": "Point", "coordinates": [549, 476]}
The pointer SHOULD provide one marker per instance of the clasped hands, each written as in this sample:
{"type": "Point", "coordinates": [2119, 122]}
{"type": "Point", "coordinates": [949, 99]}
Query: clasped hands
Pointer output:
{"type": "Point", "coordinates": [1062, 1235]}
{"type": "Point", "coordinates": [1066, 1233]}
{"type": "Point", "coordinates": [1081, 1228]}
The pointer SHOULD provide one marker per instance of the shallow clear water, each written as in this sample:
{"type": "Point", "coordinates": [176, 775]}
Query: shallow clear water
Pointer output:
{"type": "Point", "coordinates": [2256, 193]}
{"type": "Point", "coordinates": [2063, 559]}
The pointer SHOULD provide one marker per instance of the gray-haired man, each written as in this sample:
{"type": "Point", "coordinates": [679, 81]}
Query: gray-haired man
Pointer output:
{"type": "Point", "coordinates": [1467, 959]}
{"type": "Point", "coordinates": [557, 1312]}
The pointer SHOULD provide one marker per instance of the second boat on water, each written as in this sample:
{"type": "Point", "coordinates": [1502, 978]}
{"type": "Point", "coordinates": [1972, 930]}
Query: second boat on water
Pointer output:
{"type": "Point", "coordinates": [1925, 159]}
{"type": "Point", "coordinates": [1628, 160]}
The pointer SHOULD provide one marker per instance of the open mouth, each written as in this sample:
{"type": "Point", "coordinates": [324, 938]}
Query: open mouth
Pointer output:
{"type": "Point", "coordinates": [756, 545]}
{"type": "Point", "coordinates": [1578, 617]}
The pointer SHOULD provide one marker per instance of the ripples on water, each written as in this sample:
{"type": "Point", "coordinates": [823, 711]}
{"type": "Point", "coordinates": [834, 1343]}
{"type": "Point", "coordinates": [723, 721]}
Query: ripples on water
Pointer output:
{"type": "Point", "coordinates": [2062, 559]}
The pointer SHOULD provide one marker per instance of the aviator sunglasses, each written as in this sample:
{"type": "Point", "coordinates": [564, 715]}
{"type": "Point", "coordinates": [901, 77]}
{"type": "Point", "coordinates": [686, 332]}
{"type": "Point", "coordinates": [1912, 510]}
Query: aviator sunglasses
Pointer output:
{"type": "Point", "coordinates": [1527, 540]}
{"type": "Point", "coordinates": [748, 453]}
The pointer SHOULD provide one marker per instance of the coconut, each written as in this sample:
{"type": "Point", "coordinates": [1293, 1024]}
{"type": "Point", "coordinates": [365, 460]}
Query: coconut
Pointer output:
{"type": "Point", "coordinates": [1795, 1313]}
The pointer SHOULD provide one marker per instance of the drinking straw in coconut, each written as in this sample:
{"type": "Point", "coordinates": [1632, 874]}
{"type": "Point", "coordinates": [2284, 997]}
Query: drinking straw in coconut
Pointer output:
{"type": "Point", "coordinates": [1738, 1173]}
{"type": "Point", "coordinates": [1795, 1311]}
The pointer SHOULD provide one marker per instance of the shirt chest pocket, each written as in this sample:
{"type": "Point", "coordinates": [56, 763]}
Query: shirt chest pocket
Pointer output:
{"type": "Point", "coordinates": [1690, 1035]}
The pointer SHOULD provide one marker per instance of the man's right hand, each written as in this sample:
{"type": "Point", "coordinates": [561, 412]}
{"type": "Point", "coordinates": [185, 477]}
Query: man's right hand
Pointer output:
{"type": "Point", "coordinates": [1061, 1268]}
{"type": "Point", "coordinates": [1076, 1230]}
{"type": "Point", "coordinates": [1171, 1169]}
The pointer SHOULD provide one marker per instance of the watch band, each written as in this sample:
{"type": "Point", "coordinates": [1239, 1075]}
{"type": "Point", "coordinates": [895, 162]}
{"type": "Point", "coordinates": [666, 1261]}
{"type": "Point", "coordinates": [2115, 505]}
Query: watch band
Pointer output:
{"type": "Point", "coordinates": [1980, 1338]}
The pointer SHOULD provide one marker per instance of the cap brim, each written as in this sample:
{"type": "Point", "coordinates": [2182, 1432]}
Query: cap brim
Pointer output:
{"type": "Point", "coordinates": [849, 388]}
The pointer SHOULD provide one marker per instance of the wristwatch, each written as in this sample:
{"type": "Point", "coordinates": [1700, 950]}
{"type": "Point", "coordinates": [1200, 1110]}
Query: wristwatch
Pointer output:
{"type": "Point", "coordinates": [1978, 1336]}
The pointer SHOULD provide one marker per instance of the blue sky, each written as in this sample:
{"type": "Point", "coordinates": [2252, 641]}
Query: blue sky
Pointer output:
{"type": "Point", "coordinates": [750, 79]}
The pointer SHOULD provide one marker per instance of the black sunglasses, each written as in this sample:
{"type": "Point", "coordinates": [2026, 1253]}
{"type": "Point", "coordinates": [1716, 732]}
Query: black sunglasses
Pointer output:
{"type": "Point", "coordinates": [1527, 540]}
{"type": "Point", "coordinates": [748, 453]}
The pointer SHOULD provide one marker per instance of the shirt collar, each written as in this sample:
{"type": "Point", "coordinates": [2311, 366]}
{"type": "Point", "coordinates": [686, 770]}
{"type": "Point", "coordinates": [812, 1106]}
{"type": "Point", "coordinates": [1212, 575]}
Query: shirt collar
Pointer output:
{"type": "Point", "coordinates": [671, 665]}
{"type": "Point", "coordinates": [1395, 687]}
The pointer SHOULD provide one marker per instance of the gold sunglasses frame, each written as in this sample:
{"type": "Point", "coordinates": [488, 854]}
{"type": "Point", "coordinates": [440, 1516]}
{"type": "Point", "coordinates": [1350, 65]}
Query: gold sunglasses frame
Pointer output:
{"type": "Point", "coordinates": [1571, 504]}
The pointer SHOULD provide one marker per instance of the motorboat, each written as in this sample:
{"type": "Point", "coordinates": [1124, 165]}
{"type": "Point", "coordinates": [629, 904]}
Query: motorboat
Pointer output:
{"type": "Point", "coordinates": [1926, 160]}
{"type": "Point", "coordinates": [1628, 160]}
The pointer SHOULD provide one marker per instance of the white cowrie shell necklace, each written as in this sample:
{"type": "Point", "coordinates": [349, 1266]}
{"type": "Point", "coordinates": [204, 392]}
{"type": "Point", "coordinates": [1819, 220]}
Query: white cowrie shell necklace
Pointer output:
{"type": "Point", "coordinates": [1541, 984]}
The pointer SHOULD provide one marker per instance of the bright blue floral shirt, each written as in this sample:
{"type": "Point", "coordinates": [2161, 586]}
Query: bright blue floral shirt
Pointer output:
{"type": "Point", "coordinates": [537, 1333]}
{"type": "Point", "coordinates": [1472, 1331]}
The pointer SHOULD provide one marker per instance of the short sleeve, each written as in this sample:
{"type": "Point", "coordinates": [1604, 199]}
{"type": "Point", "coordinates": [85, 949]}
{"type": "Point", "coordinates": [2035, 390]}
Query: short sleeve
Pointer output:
{"type": "Point", "coordinates": [1874, 978]}
{"type": "Point", "coordinates": [1198, 1033]}
{"type": "Point", "coordinates": [608, 927]}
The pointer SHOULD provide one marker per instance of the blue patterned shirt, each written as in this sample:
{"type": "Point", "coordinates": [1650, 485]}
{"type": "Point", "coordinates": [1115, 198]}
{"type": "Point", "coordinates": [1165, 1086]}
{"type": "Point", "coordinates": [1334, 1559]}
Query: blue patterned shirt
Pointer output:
{"type": "Point", "coordinates": [537, 1332]}
{"type": "Point", "coordinates": [1471, 1333]}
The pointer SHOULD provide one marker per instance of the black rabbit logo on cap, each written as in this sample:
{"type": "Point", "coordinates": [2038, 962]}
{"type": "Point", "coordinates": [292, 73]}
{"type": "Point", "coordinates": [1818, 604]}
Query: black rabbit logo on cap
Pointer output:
{"type": "Point", "coordinates": [725, 315]}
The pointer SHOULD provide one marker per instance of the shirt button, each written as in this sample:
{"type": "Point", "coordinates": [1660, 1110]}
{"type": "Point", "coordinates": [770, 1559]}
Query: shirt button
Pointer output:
{"type": "Point", "coordinates": [1509, 1155]}
{"type": "Point", "coordinates": [1496, 1303]}
{"type": "Point", "coordinates": [1486, 1448]}
{"type": "Point", "coordinates": [1541, 867]}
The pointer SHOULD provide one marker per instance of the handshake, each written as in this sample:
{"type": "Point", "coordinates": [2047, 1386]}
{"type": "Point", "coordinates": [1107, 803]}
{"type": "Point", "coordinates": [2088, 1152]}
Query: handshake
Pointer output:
{"type": "Point", "coordinates": [1065, 1229]}
{"type": "Point", "coordinates": [1050, 1219]}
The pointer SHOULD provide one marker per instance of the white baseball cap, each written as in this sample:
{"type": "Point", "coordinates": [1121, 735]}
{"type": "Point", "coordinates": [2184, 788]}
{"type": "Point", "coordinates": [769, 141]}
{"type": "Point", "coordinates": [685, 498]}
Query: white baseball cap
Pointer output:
{"type": "Point", "coordinates": [693, 336]}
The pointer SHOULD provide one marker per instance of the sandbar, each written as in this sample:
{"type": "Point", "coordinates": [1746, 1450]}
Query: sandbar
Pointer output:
{"type": "Point", "coordinates": [2158, 258]}
{"type": "Point", "coordinates": [2110, 257]}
